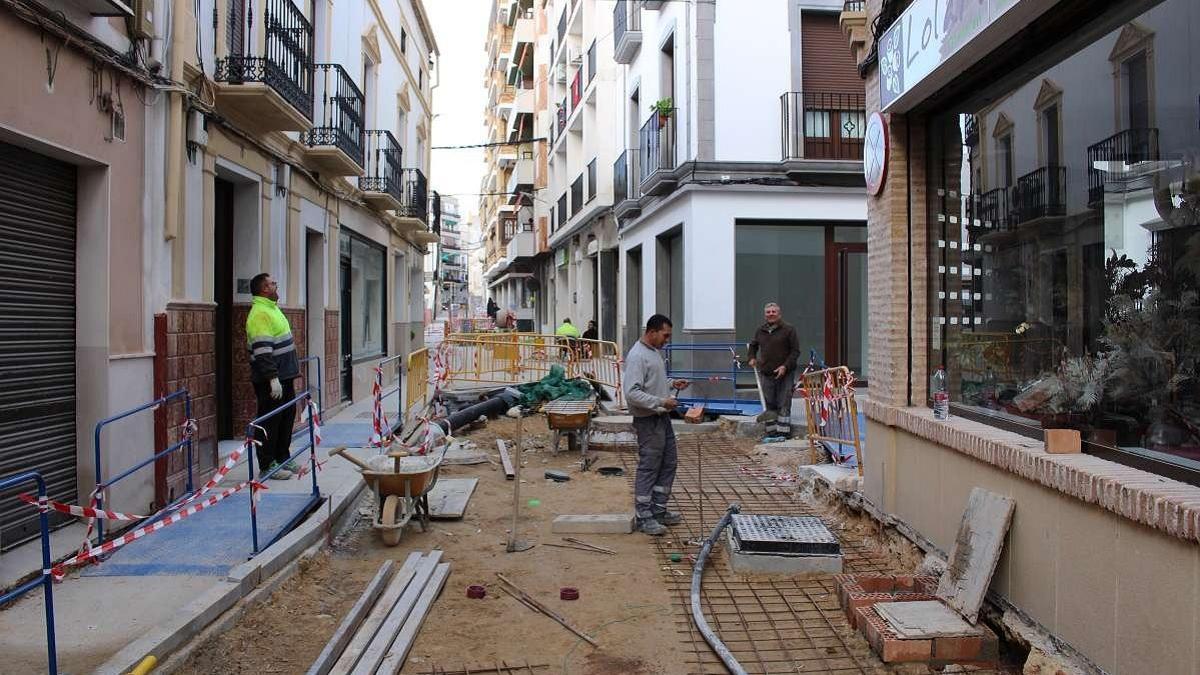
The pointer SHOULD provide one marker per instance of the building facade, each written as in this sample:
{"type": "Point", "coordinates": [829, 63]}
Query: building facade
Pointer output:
{"type": "Point", "coordinates": [1035, 232]}
{"type": "Point", "coordinates": [738, 185]}
{"type": "Point", "coordinates": [290, 138]}
{"type": "Point", "coordinates": [449, 270]}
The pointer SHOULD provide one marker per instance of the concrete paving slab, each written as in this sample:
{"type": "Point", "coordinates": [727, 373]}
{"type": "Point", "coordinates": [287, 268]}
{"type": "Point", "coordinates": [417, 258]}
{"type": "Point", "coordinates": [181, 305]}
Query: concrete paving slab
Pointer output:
{"type": "Point", "coordinates": [448, 499]}
{"type": "Point", "coordinates": [601, 523]}
{"type": "Point", "coordinates": [840, 478]}
{"type": "Point", "coordinates": [923, 619]}
{"type": "Point", "coordinates": [976, 551]}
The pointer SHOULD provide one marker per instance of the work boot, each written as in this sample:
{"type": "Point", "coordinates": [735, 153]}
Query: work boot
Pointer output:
{"type": "Point", "coordinates": [766, 416]}
{"type": "Point", "coordinates": [774, 439]}
{"type": "Point", "coordinates": [668, 518]}
{"type": "Point", "coordinates": [281, 474]}
{"type": "Point", "coordinates": [291, 466]}
{"type": "Point", "coordinates": [652, 527]}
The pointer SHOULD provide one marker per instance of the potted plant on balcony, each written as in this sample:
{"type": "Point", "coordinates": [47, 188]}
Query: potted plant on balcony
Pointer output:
{"type": "Point", "coordinates": [665, 107]}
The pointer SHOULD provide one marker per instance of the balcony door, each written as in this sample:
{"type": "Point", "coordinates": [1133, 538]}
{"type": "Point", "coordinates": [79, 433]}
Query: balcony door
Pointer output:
{"type": "Point", "coordinates": [236, 29]}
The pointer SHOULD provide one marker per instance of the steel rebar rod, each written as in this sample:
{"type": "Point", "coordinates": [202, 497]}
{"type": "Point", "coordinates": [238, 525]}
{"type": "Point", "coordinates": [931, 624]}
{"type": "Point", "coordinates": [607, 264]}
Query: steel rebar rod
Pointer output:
{"type": "Point", "coordinates": [697, 614]}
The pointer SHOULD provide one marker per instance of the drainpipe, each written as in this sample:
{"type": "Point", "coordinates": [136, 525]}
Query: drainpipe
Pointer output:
{"type": "Point", "coordinates": [172, 215]}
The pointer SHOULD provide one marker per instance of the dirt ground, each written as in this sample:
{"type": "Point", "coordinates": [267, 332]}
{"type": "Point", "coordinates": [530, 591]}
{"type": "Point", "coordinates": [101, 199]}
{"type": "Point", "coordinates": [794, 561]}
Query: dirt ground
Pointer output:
{"type": "Point", "coordinates": [630, 620]}
{"type": "Point", "coordinates": [626, 600]}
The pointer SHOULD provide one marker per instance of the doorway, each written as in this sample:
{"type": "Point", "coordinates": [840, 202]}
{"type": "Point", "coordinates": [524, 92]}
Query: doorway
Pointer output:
{"type": "Point", "coordinates": [347, 356]}
{"type": "Point", "coordinates": [223, 221]}
{"type": "Point", "coordinates": [846, 343]}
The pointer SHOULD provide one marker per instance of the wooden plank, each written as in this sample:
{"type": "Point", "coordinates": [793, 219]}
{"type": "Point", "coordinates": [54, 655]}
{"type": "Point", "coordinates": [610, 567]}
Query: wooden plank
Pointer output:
{"type": "Point", "coordinates": [394, 660]}
{"type": "Point", "coordinates": [924, 619]}
{"type": "Point", "coordinates": [378, 648]}
{"type": "Point", "coordinates": [448, 499]}
{"type": "Point", "coordinates": [975, 552]}
{"type": "Point", "coordinates": [509, 473]}
{"type": "Point", "coordinates": [345, 631]}
{"type": "Point", "coordinates": [366, 631]}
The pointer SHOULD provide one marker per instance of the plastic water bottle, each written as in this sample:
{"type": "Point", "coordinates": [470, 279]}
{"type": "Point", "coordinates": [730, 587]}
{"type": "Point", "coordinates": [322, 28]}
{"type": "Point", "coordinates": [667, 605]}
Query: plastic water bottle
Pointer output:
{"type": "Point", "coordinates": [941, 395]}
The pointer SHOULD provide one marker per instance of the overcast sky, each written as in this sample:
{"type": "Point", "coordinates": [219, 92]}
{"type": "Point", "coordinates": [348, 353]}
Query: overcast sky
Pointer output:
{"type": "Point", "coordinates": [460, 27]}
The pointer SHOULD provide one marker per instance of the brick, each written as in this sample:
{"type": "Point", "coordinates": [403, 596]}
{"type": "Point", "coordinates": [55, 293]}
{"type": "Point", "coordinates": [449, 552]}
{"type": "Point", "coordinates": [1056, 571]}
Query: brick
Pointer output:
{"type": "Point", "coordinates": [958, 649]}
{"type": "Point", "coordinates": [603, 523]}
{"type": "Point", "coordinates": [896, 650]}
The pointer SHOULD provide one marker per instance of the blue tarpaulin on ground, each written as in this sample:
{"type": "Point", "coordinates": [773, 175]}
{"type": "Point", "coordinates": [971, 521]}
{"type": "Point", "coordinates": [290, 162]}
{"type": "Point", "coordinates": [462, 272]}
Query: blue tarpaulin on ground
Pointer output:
{"type": "Point", "coordinates": [209, 543]}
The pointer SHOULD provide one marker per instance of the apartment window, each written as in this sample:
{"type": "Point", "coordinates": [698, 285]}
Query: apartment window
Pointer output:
{"type": "Point", "coordinates": [403, 41]}
{"type": "Point", "coordinates": [1068, 312]}
{"type": "Point", "coordinates": [591, 179]}
{"type": "Point", "coordinates": [368, 90]}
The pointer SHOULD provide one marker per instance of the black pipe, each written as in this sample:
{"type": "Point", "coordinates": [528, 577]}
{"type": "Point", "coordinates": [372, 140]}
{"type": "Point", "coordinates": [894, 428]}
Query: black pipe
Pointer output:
{"type": "Point", "coordinates": [497, 405]}
{"type": "Point", "coordinates": [710, 637]}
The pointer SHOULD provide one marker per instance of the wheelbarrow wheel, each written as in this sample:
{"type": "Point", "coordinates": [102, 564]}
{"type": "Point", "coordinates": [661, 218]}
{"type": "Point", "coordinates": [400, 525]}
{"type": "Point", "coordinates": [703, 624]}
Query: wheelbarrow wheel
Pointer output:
{"type": "Point", "coordinates": [390, 517]}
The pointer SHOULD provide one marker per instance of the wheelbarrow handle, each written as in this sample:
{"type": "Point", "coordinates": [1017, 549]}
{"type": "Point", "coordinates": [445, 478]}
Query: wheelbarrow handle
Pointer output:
{"type": "Point", "coordinates": [341, 452]}
{"type": "Point", "coordinates": [397, 454]}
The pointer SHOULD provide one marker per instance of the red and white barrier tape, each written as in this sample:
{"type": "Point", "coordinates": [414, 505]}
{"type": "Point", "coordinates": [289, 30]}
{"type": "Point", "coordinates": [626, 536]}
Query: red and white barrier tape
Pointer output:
{"type": "Point", "coordinates": [78, 511]}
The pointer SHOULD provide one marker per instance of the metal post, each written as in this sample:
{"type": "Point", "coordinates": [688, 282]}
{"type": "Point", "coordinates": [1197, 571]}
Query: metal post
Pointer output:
{"type": "Point", "coordinates": [187, 420]}
{"type": "Point", "coordinates": [99, 482]}
{"type": "Point", "coordinates": [253, 512]}
{"type": "Point", "coordinates": [312, 445]}
{"type": "Point", "coordinates": [517, 545]}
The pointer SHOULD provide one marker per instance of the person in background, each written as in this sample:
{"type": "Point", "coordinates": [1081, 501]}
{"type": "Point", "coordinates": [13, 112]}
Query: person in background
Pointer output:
{"type": "Point", "coordinates": [274, 366]}
{"type": "Point", "coordinates": [590, 334]}
{"type": "Point", "coordinates": [651, 400]}
{"type": "Point", "coordinates": [492, 308]}
{"type": "Point", "coordinates": [506, 319]}
{"type": "Point", "coordinates": [774, 352]}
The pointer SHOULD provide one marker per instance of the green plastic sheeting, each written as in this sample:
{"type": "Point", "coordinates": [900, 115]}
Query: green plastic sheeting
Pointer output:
{"type": "Point", "coordinates": [555, 386]}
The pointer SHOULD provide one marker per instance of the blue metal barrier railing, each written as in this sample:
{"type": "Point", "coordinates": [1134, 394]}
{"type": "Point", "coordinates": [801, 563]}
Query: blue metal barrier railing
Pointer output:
{"type": "Point", "coordinates": [320, 380]}
{"type": "Point", "coordinates": [45, 580]}
{"type": "Point", "coordinates": [701, 376]}
{"type": "Point", "coordinates": [185, 442]}
{"type": "Point", "coordinates": [305, 398]}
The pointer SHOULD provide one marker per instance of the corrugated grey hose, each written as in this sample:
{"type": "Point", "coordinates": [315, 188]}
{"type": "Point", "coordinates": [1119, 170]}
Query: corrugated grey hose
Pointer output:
{"type": "Point", "coordinates": [697, 615]}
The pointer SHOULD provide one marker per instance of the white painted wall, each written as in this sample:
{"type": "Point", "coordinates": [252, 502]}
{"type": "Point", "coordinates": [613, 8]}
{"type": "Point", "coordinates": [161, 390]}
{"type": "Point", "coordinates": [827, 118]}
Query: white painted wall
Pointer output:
{"type": "Point", "coordinates": [708, 218]}
{"type": "Point", "coordinates": [751, 72]}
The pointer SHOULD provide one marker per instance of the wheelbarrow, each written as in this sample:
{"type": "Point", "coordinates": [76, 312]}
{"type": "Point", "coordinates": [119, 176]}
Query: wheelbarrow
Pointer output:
{"type": "Point", "coordinates": [400, 494]}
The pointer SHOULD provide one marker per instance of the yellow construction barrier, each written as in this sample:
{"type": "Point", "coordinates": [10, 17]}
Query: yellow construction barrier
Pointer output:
{"type": "Point", "coordinates": [499, 358]}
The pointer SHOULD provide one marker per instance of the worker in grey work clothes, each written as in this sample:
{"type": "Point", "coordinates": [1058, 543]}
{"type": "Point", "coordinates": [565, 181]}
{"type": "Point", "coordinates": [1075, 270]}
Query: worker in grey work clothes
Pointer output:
{"type": "Point", "coordinates": [651, 399]}
{"type": "Point", "coordinates": [774, 352]}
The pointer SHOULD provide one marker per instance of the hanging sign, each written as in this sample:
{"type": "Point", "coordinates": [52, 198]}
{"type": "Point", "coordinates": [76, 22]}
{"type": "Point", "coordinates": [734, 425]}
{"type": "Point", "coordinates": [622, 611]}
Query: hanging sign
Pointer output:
{"type": "Point", "coordinates": [875, 153]}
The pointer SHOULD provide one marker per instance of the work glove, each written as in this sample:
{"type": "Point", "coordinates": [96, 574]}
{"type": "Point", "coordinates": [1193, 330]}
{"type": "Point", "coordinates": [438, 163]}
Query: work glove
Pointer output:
{"type": "Point", "coordinates": [276, 389]}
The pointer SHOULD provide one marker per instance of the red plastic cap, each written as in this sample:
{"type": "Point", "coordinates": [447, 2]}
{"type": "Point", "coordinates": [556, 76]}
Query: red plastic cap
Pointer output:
{"type": "Point", "coordinates": [568, 593]}
{"type": "Point", "coordinates": [476, 592]}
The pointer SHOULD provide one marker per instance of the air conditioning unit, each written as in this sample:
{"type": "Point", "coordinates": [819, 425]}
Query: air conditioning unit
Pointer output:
{"type": "Point", "coordinates": [574, 57]}
{"type": "Point", "coordinates": [142, 23]}
{"type": "Point", "coordinates": [560, 73]}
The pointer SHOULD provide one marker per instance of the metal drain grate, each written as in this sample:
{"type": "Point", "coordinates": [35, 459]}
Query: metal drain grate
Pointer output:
{"type": "Point", "coordinates": [784, 534]}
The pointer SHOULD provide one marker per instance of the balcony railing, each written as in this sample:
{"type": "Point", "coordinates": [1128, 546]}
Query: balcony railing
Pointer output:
{"type": "Point", "coordinates": [286, 65]}
{"type": "Point", "coordinates": [854, 6]}
{"type": "Point", "coordinates": [994, 209]}
{"type": "Point", "coordinates": [1040, 194]}
{"type": "Point", "coordinates": [414, 202]}
{"type": "Point", "coordinates": [658, 145]}
{"type": "Point", "coordinates": [339, 117]}
{"type": "Point", "coordinates": [563, 113]}
{"type": "Point", "coordinates": [576, 195]}
{"type": "Point", "coordinates": [626, 17]}
{"type": "Point", "coordinates": [1129, 147]}
{"type": "Point", "coordinates": [591, 179]}
{"type": "Point", "coordinates": [383, 164]}
{"type": "Point", "coordinates": [823, 125]}
{"type": "Point", "coordinates": [625, 171]}
{"type": "Point", "coordinates": [577, 88]}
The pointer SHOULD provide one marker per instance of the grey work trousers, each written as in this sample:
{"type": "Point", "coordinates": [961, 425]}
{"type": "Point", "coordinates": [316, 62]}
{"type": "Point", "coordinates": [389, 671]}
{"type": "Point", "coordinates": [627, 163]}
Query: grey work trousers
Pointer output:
{"type": "Point", "coordinates": [777, 394]}
{"type": "Point", "coordinates": [657, 460]}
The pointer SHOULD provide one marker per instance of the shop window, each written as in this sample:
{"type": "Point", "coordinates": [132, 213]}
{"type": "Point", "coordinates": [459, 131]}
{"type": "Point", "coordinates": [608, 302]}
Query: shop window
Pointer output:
{"type": "Point", "coordinates": [367, 297]}
{"type": "Point", "coordinates": [1070, 299]}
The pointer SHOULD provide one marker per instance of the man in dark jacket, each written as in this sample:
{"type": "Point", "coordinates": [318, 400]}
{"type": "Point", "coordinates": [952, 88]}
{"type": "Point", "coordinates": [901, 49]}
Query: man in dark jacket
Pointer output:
{"type": "Point", "coordinates": [774, 352]}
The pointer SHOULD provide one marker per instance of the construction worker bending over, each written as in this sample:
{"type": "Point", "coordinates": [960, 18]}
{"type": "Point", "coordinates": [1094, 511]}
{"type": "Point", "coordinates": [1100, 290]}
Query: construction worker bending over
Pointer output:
{"type": "Point", "coordinates": [650, 399]}
{"type": "Point", "coordinates": [274, 366]}
{"type": "Point", "coordinates": [774, 352]}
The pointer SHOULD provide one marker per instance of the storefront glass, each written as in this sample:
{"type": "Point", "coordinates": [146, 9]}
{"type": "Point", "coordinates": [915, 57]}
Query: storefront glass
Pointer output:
{"type": "Point", "coordinates": [1064, 249]}
{"type": "Point", "coordinates": [367, 298]}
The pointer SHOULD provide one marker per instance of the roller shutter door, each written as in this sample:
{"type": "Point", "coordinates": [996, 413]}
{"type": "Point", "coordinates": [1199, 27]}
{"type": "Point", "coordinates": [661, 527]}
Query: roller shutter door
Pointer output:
{"type": "Point", "coordinates": [37, 331]}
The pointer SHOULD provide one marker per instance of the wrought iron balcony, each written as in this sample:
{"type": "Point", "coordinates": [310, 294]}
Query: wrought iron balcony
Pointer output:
{"type": "Point", "coordinates": [381, 183]}
{"type": "Point", "coordinates": [823, 125]}
{"type": "Point", "coordinates": [627, 189]}
{"type": "Point", "coordinates": [336, 142]}
{"type": "Point", "coordinates": [274, 90]}
{"type": "Point", "coordinates": [1040, 194]}
{"type": "Point", "coordinates": [627, 30]}
{"type": "Point", "coordinates": [657, 154]}
{"type": "Point", "coordinates": [1127, 147]}
{"type": "Point", "coordinates": [994, 209]}
{"type": "Point", "coordinates": [414, 201]}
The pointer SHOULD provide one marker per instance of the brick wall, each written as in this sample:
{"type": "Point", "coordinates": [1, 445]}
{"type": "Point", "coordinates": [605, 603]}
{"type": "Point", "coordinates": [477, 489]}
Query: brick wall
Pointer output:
{"type": "Point", "coordinates": [189, 363]}
{"type": "Point", "coordinates": [332, 361]}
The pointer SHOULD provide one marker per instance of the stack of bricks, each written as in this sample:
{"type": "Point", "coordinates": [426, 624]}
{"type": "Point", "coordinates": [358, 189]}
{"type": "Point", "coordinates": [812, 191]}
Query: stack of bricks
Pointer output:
{"type": "Point", "coordinates": [858, 595]}
{"type": "Point", "coordinates": [864, 590]}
